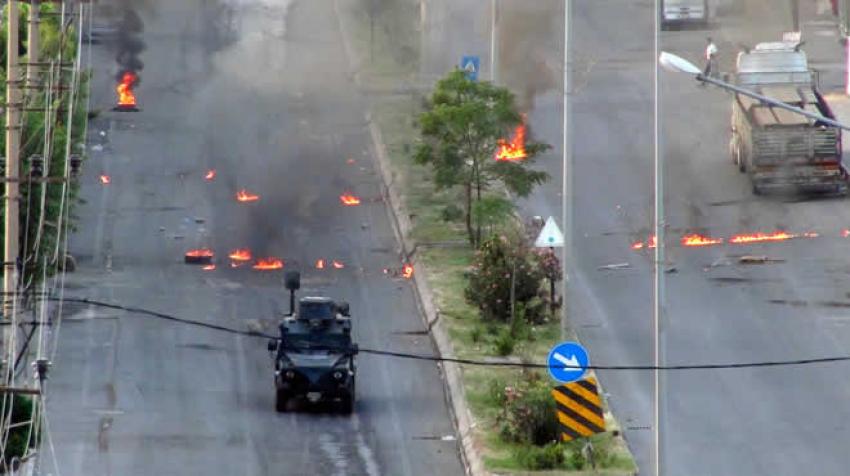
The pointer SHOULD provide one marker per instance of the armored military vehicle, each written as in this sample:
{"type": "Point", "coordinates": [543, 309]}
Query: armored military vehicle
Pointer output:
{"type": "Point", "coordinates": [314, 356]}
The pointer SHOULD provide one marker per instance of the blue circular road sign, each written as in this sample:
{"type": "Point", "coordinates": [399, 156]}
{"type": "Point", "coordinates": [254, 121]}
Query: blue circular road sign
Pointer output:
{"type": "Point", "coordinates": [568, 362]}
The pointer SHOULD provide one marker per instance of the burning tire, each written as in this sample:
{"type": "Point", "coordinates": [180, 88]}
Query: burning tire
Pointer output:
{"type": "Point", "coordinates": [201, 256]}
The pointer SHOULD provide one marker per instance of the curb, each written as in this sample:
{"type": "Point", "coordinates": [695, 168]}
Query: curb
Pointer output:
{"type": "Point", "coordinates": [455, 393]}
{"type": "Point", "coordinates": [402, 227]}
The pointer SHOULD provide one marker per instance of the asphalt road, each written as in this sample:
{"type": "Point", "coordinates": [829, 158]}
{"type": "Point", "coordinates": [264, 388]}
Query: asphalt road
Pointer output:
{"type": "Point", "coordinates": [260, 92]}
{"type": "Point", "coordinates": [777, 421]}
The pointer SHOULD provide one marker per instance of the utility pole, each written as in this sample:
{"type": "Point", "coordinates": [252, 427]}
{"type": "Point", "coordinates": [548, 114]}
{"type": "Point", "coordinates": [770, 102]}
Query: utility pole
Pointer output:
{"type": "Point", "coordinates": [567, 191]}
{"type": "Point", "coordinates": [659, 299]}
{"type": "Point", "coordinates": [795, 15]}
{"type": "Point", "coordinates": [494, 38]}
{"type": "Point", "coordinates": [13, 138]}
{"type": "Point", "coordinates": [33, 40]}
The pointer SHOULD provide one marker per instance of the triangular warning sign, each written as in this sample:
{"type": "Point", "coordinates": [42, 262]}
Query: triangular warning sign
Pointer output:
{"type": "Point", "coordinates": [550, 236]}
{"type": "Point", "coordinates": [470, 67]}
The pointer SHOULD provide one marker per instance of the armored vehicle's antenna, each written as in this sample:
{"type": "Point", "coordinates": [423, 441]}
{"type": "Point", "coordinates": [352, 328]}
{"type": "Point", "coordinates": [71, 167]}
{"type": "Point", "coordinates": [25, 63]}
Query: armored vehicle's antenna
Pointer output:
{"type": "Point", "coordinates": [292, 280]}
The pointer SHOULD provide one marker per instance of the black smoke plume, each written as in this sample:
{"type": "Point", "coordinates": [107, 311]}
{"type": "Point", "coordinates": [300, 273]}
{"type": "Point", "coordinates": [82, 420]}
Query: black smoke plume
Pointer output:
{"type": "Point", "coordinates": [129, 44]}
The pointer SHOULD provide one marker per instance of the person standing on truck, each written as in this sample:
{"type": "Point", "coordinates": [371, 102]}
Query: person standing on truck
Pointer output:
{"type": "Point", "coordinates": [710, 58]}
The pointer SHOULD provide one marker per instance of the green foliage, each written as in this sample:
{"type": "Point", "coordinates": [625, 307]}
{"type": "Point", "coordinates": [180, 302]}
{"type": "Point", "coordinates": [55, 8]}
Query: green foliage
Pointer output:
{"type": "Point", "coordinates": [505, 343]}
{"type": "Point", "coordinates": [461, 129]}
{"type": "Point", "coordinates": [490, 212]}
{"type": "Point", "coordinates": [537, 458]}
{"type": "Point", "coordinates": [549, 264]}
{"type": "Point", "coordinates": [451, 213]}
{"type": "Point", "coordinates": [528, 416]}
{"type": "Point", "coordinates": [20, 438]}
{"type": "Point", "coordinates": [500, 261]}
{"type": "Point", "coordinates": [51, 37]}
{"type": "Point", "coordinates": [475, 334]}
{"type": "Point", "coordinates": [37, 236]}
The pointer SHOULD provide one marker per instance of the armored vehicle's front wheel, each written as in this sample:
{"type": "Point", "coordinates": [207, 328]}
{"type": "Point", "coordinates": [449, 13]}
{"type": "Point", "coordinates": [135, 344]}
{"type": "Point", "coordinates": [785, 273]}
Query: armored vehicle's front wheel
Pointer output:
{"type": "Point", "coordinates": [280, 401]}
{"type": "Point", "coordinates": [346, 405]}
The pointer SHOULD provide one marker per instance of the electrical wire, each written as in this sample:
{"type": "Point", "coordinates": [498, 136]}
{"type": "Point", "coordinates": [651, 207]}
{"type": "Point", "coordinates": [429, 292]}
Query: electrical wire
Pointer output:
{"type": "Point", "coordinates": [48, 127]}
{"type": "Point", "coordinates": [481, 363]}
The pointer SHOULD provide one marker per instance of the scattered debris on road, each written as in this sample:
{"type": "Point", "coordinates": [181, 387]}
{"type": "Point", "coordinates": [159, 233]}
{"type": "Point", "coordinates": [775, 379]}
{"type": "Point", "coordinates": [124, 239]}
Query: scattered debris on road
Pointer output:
{"type": "Point", "coordinates": [614, 266]}
{"type": "Point", "coordinates": [751, 259]}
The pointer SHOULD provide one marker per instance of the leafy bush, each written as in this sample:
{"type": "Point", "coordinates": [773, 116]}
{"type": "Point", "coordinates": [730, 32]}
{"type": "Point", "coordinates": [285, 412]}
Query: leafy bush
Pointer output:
{"type": "Point", "coordinates": [475, 334]}
{"type": "Point", "coordinates": [528, 415]}
{"type": "Point", "coordinates": [505, 343]}
{"type": "Point", "coordinates": [536, 458]}
{"type": "Point", "coordinates": [549, 264]}
{"type": "Point", "coordinates": [500, 262]}
{"type": "Point", "coordinates": [451, 213]}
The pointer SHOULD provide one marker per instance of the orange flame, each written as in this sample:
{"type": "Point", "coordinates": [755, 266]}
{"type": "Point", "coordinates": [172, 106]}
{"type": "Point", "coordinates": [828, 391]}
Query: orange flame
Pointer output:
{"type": "Point", "coordinates": [762, 237]}
{"type": "Point", "coordinates": [267, 264]}
{"type": "Point", "coordinates": [242, 254]}
{"type": "Point", "coordinates": [200, 253]}
{"type": "Point", "coordinates": [350, 161]}
{"type": "Point", "coordinates": [407, 271]}
{"type": "Point", "coordinates": [210, 175]}
{"type": "Point", "coordinates": [513, 151]}
{"type": "Point", "coordinates": [208, 267]}
{"type": "Point", "coordinates": [699, 240]}
{"type": "Point", "coordinates": [337, 264]}
{"type": "Point", "coordinates": [125, 90]}
{"type": "Point", "coordinates": [245, 196]}
{"type": "Point", "coordinates": [349, 200]}
{"type": "Point", "coordinates": [845, 233]}
{"type": "Point", "coordinates": [105, 179]}
{"type": "Point", "coordinates": [650, 243]}
{"type": "Point", "coordinates": [320, 264]}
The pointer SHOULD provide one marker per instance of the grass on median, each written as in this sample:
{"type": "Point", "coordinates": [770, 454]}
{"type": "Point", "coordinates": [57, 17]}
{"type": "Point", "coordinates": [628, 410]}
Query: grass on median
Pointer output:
{"type": "Point", "coordinates": [445, 267]}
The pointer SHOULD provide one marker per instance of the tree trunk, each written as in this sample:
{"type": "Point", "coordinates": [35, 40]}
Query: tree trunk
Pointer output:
{"type": "Point", "coordinates": [553, 302]}
{"type": "Point", "coordinates": [478, 197]}
{"type": "Point", "coordinates": [469, 231]}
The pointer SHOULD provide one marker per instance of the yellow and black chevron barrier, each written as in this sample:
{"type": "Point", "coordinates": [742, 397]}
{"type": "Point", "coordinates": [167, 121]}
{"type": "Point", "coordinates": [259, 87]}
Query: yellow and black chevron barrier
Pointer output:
{"type": "Point", "coordinates": [579, 409]}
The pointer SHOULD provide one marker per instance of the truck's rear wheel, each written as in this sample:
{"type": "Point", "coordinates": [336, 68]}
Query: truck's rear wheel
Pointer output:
{"type": "Point", "coordinates": [280, 401]}
{"type": "Point", "coordinates": [737, 155]}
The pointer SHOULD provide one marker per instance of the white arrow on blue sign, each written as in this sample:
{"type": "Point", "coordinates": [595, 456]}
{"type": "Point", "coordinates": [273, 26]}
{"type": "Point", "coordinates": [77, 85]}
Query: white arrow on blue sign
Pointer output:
{"type": "Point", "coordinates": [568, 362]}
{"type": "Point", "coordinates": [470, 65]}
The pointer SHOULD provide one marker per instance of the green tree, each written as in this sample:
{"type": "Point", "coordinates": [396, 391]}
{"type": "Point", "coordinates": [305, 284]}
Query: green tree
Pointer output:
{"type": "Point", "coordinates": [38, 232]}
{"type": "Point", "coordinates": [461, 131]}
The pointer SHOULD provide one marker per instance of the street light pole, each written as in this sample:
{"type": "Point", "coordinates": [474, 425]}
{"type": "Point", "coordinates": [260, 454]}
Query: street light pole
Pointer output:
{"type": "Point", "coordinates": [658, 311]}
{"type": "Point", "coordinates": [677, 64]}
{"type": "Point", "coordinates": [566, 178]}
{"type": "Point", "coordinates": [494, 20]}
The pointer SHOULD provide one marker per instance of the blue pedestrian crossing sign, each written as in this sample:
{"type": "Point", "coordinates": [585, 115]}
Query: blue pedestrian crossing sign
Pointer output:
{"type": "Point", "coordinates": [470, 65]}
{"type": "Point", "coordinates": [568, 362]}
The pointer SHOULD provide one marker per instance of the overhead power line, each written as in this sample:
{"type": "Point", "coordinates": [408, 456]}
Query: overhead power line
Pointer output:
{"type": "Point", "coordinates": [481, 363]}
